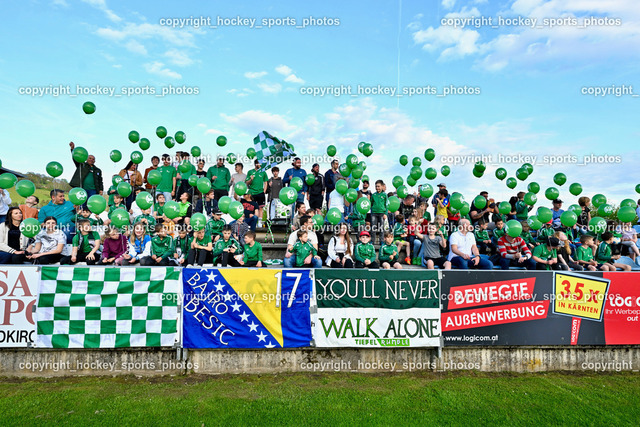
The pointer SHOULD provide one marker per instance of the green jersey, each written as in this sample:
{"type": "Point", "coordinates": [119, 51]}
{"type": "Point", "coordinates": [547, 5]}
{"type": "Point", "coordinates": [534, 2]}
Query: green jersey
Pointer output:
{"type": "Point", "coordinates": [214, 227]}
{"type": "Point", "coordinates": [166, 182]}
{"type": "Point", "coordinates": [85, 243]}
{"type": "Point", "coordinates": [252, 253]}
{"type": "Point", "coordinates": [259, 179]}
{"type": "Point", "coordinates": [357, 219]}
{"type": "Point", "coordinates": [365, 251]}
{"type": "Point", "coordinates": [603, 254]}
{"type": "Point", "coordinates": [379, 203]}
{"type": "Point", "coordinates": [222, 244]}
{"type": "Point", "coordinates": [498, 233]}
{"type": "Point", "coordinates": [162, 247]}
{"type": "Point", "coordinates": [522, 210]}
{"type": "Point", "coordinates": [387, 253]}
{"type": "Point", "coordinates": [543, 252]}
{"type": "Point", "coordinates": [223, 177]}
{"type": "Point", "coordinates": [482, 235]}
{"type": "Point", "coordinates": [302, 250]}
{"type": "Point", "coordinates": [584, 253]}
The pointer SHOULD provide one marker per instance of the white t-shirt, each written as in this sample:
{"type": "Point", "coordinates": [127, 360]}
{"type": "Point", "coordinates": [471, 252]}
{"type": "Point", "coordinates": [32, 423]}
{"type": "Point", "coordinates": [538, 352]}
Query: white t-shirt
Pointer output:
{"type": "Point", "coordinates": [464, 243]}
{"type": "Point", "coordinates": [293, 238]}
{"type": "Point", "coordinates": [336, 200]}
{"type": "Point", "coordinates": [236, 178]}
{"type": "Point", "coordinates": [50, 241]}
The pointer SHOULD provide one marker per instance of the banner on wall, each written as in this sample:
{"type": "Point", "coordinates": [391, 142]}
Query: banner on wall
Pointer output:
{"type": "Point", "coordinates": [18, 292]}
{"type": "Point", "coordinates": [385, 308]}
{"type": "Point", "coordinates": [246, 308]}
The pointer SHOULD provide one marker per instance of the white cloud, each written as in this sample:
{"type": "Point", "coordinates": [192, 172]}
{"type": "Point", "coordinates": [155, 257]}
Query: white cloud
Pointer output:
{"type": "Point", "coordinates": [165, 34]}
{"type": "Point", "coordinates": [284, 70]}
{"type": "Point", "coordinates": [159, 69]}
{"type": "Point", "coordinates": [272, 88]}
{"type": "Point", "coordinates": [448, 4]}
{"type": "Point", "coordinates": [292, 78]}
{"type": "Point", "coordinates": [102, 5]}
{"type": "Point", "coordinates": [136, 47]}
{"type": "Point", "coordinates": [178, 57]}
{"type": "Point", "coordinates": [255, 74]}
{"type": "Point", "coordinates": [453, 42]}
{"type": "Point", "coordinates": [254, 121]}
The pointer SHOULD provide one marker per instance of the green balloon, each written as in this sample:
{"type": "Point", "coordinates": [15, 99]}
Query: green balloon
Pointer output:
{"type": "Point", "coordinates": [501, 173]}
{"type": "Point", "coordinates": [544, 214]}
{"type": "Point", "coordinates": [357, 172]}
{"type": "Point", "coordinates": [411, 182]}
{"type": "Point", "coordinates": [575, 189]}
{"type": "Point", "coordinates": [171, 209]}
{"type": "Point", "coordinates": [134, 136]}
{"type": "Point", "coordinates": [30, 227]}
{"type": "Point", "coordinates": [361, 146]}
{"type": "Point", "coordinates": [367, 150]}
{"type": "Point", "coordinates": [80, 154]}
{"type": "Point", "coordinates": [115, 156]}
{"type": "Point", "coordinates": [534, 187]}
{"type": "Point", "coordinates": [480, 166]}
{"type": "Point", "coordinates": [430, 154]}
{"type": "Point", "coordinates": [628, 202]}
{"type": "Point", "coordinates": [144, 200]}
{"type": "Point", "coordinates": [522, 174]}
{"type": "Point", "coordinates": [351, 195]}
{"type": "Point", "coordinates": [528, 167]}
{"type": "Point", "coordinates": [331, 150]}
{"type": "Point", "coordinates": [25, 188]}
{"type": "Point", "coordinates": [534, 222]}
{"type": "Point", "coordinates": [465, 209]}
{"type": "Point", "coordinates": [504, 208]}
{"type": "Point", "coordinates": [352, 161]}
{"type": "Point", "coordinates": [416, 172]}
{"type": "Point", "coordinates": [184, 166]}
{"type": "Point", "coordinates": [195, 151]}
{"type": "Point", "coordinates": [120, 217]}
{"type": "Point", "coordinates": [137, 157]}
{"type": "Point", "coordinates": [54, 169]}
{"type": "Point", "coordinates": [568, 218]}
{"type": "Point", "coordinates": [513, 228]}
{"type": "Point", "coordinates": [117, 179]}
{"type": "Point", "coordinates": [204, 185]}
{"type": "Point", "coordinates": [296, 183]}
{"type": "Point", "coordinates": [318, 220]}
{"type": "Point", "coordinates": [225, 201]}
{"type": "Point", "coordinates": [144, 144]}
{"type": "Point", "coordinates": [530, 198]}
{"type": "Point", "coordinates": [638, 188]}
{"type": "Point", "coordinates": [477, 173]}
{"type": "Point", "coordinates": [342, 187]}
{"type": "Point", "coordinates": [180, 137]}
{"type": "Point", "coordinates": [251, 152]}
{"type": "Point", "coordinates": [240, 188]}
{"type": "Point", "coordinates": [89, 107]}
{"type": "Point", "coordinates": [445, 170]}
{"type": "Point", "coordinates": [402, 192]}
{"type": "Point", "coordinates": [334, 216]}
{"type": "Point", "coordinates": [605, 211]}
{"type": "Point", "coordinates": [354, 183]}
{"type": "Point", "coordinates": [97, 204]}
{"type": "Point", "coordinates": [512, 183]}
{"type": "Point", "coordinates": [221, 141]}
{"type": "Point", "coordinates": [236, 210]}
{"type": "Point", "coordinates": [416, 161]}
{"type": "Point", "coordinates": [560, 179]}
{"type": "Point", "coordinates": [597, 225]}
{"type": "Point", "coordinates": [78, 196]}
{"type": "Point", "coordinates": [404, 160]}
{"type": "Point", "coordinates": [344, 170]}
{"type": "Point", "coordinates": [231, 158]}
{"type": "Point", "coordinates": [198, 221]}
{"type": "Point", "coordinates": [397, 181]}
{"type": "Point", "coordinates": [363, 165]}
{"type": "Point", "coordinates": [124, 189]}
{"type": "Point", "coordinates": [480, 202]}
{"type": "Point", "coordinates": [365, 178]}
{"type": "Point", "coordinates": [161, 131]}
{"type": "Point", "coordinates": [456, 200]}
{"type": "Point", "coordinates": [193, 180]}
{"type": "Point", "coordinates": [552, 193]}
{"type": "Point", "coordinates": [394, 204]}
{"type": "Point", "coordinates": [430, 173]}
{"type": "Point", "coordinates": [169, 142]}
{"type": "Point", "coordinates": [8, 180]}
{"type": "Point", "coordinates": [598, 199]}
{"type": "Point", "coordinates": [288, 195]}
{"type": "Point", "coordinates": [626, 214]}
{"type": "Point", "coordinates": [575, 209]}
{"type": "Point", "coordinates": [426, 190]}
{"type": "Point", "coordinates": [363, 205]}
{"type": "Point", "coordinates": [310, 179]}
{"type": "Point", "coordinates": [154, 177]}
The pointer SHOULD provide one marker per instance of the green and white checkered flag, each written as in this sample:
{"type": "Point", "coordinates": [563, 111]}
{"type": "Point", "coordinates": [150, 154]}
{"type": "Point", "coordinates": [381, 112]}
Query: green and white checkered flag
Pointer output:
{"type": "Point", "coordinates": [271, 151]}
{"type": "Point", "coordinates": [107, 307]}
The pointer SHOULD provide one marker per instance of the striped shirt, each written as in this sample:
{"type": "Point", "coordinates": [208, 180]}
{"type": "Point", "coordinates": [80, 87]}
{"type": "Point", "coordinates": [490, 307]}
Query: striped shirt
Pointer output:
{"type": "Point", "coordinates": [509, 249]}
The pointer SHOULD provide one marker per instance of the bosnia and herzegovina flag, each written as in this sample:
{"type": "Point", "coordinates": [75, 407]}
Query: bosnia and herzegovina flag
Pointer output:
{"type": "Point", "coordinates": [246, 308]}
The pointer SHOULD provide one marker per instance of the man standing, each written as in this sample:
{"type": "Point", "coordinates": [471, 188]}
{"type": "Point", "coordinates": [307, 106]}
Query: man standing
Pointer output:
{"type": "Point", "coordinates": [62, 210]}
{"type": "Point", "coordinates": [514, 252]}
{"type": "Point", "coordinates": [296, 171]}
{"type": "Point", "coordinates": [237, 177]}
{"type": "Point", "coordinates": [274, 185]}
{"type": "Point", "coordinates": [330, 179]}
{"type": "Point", "coordinates": [155, 161]}
{"type": "Point", "coordinates": [87, 175]}
{"type": "Point", "coordinates": [316, 190]}
{"type": "Point", "coordinates": [220, 178]}
{"type": "Point", "coordinates": [257, 181]}
{"type": "Point", "coordinates": [464, 253]}
{"type": "Point", "coordinates": [169, 174]}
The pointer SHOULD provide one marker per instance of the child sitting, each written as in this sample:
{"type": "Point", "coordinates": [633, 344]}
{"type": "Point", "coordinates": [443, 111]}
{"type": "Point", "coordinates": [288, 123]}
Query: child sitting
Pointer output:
{"type": "Point", "coordinates": [388, 256]}
{"type": "Point", "coordinates": [252, 256]}
{"type": "Point", "coordinates": [365, 252]}
{"type": "Point", "coordinates": [584, 253]}
{"type": "Point", "coordinates": [199, 248]}
{"type": "Point", "coordinates": [603, 254]}
{"type": "Point", "coordinates": [498, 232]}
{"type": "Point", "coordinates": [86, 244]}
{"type": "Point", "coordinates": [215, 225]}
{"type": "Point", "coordinates": [181, 247]}
{"type": "Point", "coordinates": [161, 248]}
{"type": "Point", "coordinates": [526, 235]}
{"type": "Point", "coordinates": [433, 244]}
{"type": "Point", "coordinates": [400, 235]}
{"type": "Point", "coordinates": [304, 250]}
{"type": "Point", "coordinates": [115, 247]}
{"type": "Point", "coordinates": [483, 241]}
{"type": "Point", "coordinates": [146, 219]}
{"type": "Point", "coordinates": [226, 248]}
{"type": "Point", "coordinates": [139, 245]}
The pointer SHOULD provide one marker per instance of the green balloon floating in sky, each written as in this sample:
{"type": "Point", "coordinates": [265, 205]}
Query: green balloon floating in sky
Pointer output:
{"type": "Point", "coordinates": [430, 154]}
{"type": "Point", "coordinates": [512, 183]}
{"type": "Point", "coordinates": [331, 150]}
{"type": "Point", "coordinates": [404, 160]}
{"type": "Point", "coordinates": [78, 196]}
{"type": "Point", "coordinates": [195, 151]}
{"type": "Point", "coordinates": [575, 189]}
{"type": "Point", "coordinates": [533, 187]}
{"type": "Point", "coordinates": [352, 160]}
{"type": "Point", "coordinates": [367, 150]}
{"type": "Point", "coordinates": [134, 136]}
{"type": "Point", "coordinates": [97, 204]}
{"type": "Point", "coordinates": [598, 199]}
{"type": "Point", "coordinates": [560, 179]}
{"type": "Point", "coordinates": [480, 202]}
{"type": "Point", "coordinates": [501, 173]}
{"type": "Point", "coordinates": [289, 195]}
{"type": "Point", "coordinates": [426, 190]}
{"type": "Point", "coordinates": [124, 189]}
{"type": "Point", "coordinates": [445, 170]}
{"type": "Point", "coordinates": [89, 107]}
{"type": "Point", "coordinates": [144, 144]}
{"type": "Point", "coordinates": [54, 169]}
{"type": "Point", "coordinates": [221, 141]}
{"type": "Point", "coordinates": [161, 132]}
{"type": "Point", "coordinates": [180, 137]}
{"type": "Point", "coordinates": [416, 161]}
{"type": "Point", "coordinates": [394, 204]}
{"type": "Point", "coordinates": [552, 193]}
{"type": "Point", "coordinates": [251, 152]}
{"type": "Point", "coordinates": [430, 173]}
{"type": "Point", "coordinates": [115, 156]}
{"type": "Point", "coordinates": [169, 142]}
{"type": "Point", "coordinates": [626, 214]}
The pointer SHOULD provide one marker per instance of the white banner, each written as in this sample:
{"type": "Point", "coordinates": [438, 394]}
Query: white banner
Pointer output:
{"type": "Point", "coordinates": [18, 293]}
{"type": "Point", "coordinates": [376, 327]}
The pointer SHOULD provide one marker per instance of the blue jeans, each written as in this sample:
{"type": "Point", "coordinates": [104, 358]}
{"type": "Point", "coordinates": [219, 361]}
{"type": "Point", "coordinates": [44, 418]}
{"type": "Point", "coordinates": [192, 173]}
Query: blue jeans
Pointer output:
{"type": "Point", "coordinates": [91, 193]}
{"type": "Point", "coordinates": [459, 263]}
{"type": "Point", "coordinates": [291, 262]}
{"type": "Point", "coordinates": [252, 222]}
{"type": "Point", "coordinates": [505, 263]}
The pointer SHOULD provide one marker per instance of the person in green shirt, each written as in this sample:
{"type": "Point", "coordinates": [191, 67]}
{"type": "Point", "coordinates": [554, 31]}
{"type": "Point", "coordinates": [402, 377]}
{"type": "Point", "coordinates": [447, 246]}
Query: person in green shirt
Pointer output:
{"type": "Point", "coordinates": [604, 256]}
{"type": "Point", "coordinates": [252, 256]}
{"type": "Point", "coordinates": [220, 178]}
{"type": "Point", "coordinates": [304, 250]}
{"type": "Point", "coordinates": [199, 248]}
{"type": "Point", "coordinates": [388, 256]}
{"type": "Point", "coordinates": [181, 247]}
{"type": "Point", "coordinates": [158, 208]}
{"type": "Point", "coordinates": [522, 210]}
{"type": "Point", "coordinates": [546, 255]}
{"type": "Point", "coordinates": [169, 178]}
{"type": "Point", "coordinates": [185, 170]}
{"type": "Point", "coordinates": [357, 219]}
{"type": "Point", "coordinates": [118, 203]}
{"type": "Point", "coordinates": [226, 249]}
{"type": "Point", "coordinates": [257, 181]}
{"type": "Point", "coordinates": [215, 225]}
{"type": "Point", "coordinates": [161, 248]}
{"type": "Point", "coordinates": [545, 232]}
{"type": "Point", "coordinates": [400, 236]}
{"type": "Point", "coordinates": [85, 213]}
{"type": "Point", "coordinates": [526, 235]}
{"type": "Point", "coordinates": [483, 241]}
{"type": "Point", "coordinates": [584, 253]}
{"type": "Point", "coordinates": [148, 220]}
{"type": "Point", "coordinates": [86, 243]}
{"type": "Point", "coordinates": [379, 209]}
{"type": "Point", "coordinates": [497, 232]}
{"type": "Point", "coordinates": [365, 252]}
{"type": "Point", "coordinates": [112, 191]}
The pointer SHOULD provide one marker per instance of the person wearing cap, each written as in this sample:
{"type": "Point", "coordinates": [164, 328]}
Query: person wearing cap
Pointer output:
{"type": "Point", "coordinates": [330, 178]}
{"type": "Point", "coordinates": [545, 232]}
{"type": "Point", "coordinates": [215, 225]}
{"type": "Point", "coordinates": [315, 196]}
{"type": "Point", "coordinates": [557, 212]}
{"type": "Point", "coordinates": [546, 255]}
{"type": "Point", "coordinates": [220, 178]}
{"type": "Point", "coordinates": [514, 252]}
{"type": "Point", "coordinates": [463, 252]}
{"type": "Point", "coordinates": [365, 252]}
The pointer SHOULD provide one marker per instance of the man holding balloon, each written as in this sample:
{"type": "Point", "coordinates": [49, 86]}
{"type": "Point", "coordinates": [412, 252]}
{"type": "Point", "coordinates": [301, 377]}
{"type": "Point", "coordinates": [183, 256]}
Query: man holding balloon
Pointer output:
{"type": "Point", "coordinates": [87, 174]}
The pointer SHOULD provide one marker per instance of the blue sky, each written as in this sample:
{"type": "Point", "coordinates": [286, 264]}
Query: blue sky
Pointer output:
{"type": "Point", "coordinates": [530, 83]}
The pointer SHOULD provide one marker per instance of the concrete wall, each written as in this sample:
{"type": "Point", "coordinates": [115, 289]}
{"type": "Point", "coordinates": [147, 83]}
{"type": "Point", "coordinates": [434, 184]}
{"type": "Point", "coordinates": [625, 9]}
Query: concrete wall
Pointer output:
{"type": "Point", "coordinates": [34, 362]}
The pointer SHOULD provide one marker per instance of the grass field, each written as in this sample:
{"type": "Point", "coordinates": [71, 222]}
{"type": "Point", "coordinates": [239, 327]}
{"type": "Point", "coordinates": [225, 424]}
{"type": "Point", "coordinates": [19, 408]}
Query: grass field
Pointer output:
{"type": "Point", "coordinates": [327, 399]}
